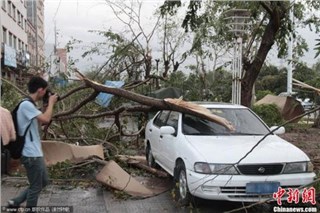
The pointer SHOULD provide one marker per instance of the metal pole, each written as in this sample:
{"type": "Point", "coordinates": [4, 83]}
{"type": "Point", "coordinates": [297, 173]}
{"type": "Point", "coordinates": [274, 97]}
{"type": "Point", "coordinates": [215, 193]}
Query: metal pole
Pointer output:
{"type": "Point", "coordinates": [237, 73]}
{"type": "Point", "coordinates": [237, 18]}
{"type": "Point", "coordinates": [234, 68]}
{"type": "Point", "coordinates": [290, 47]}
{"type": "Point", "coordinates": [240, 70]}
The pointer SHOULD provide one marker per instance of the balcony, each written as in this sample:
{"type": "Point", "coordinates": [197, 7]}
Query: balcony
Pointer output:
{"type": "Point", "coordinates": [14, 57]}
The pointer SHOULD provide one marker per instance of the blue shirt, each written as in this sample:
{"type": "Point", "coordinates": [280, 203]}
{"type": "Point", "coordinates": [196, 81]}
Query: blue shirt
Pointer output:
{"type": "Point", "coordinates": [27, 113]}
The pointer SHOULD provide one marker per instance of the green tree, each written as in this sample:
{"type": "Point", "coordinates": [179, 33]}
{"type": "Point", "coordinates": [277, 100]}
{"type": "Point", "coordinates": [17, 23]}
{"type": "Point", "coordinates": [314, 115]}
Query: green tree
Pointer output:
{"type": "Point", "coordinates": [171, 39]}
{"type": "Point", "coordinates": [269, 114]}
{"type": "Point", "coordinates": [271, 79]}
{"type": "Point", "coordinates": [307, 75]}
{"type": "Point", "coordinates": [221, 86]}
{"type": "Point", "coordinates": [270, 25]}
{"type": "Point", "coordinates": [193, 88]}
{"type": "Point", "coordinates": [176, 79]}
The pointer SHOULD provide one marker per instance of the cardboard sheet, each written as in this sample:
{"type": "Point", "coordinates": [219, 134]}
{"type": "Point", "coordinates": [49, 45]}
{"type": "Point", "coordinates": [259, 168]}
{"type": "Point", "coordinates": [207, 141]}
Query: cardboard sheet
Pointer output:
{"type": "Point", "coordinates": [115, 177]}
{"type": "Point", "coordinates": [55, 152]}
{"type": "Point", "coordinates": [111, 175]}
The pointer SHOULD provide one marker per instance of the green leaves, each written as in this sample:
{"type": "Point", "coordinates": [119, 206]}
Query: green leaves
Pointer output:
{"type": "Point", "coordinates": [192, 20]}
{"type": "Point", "coordinates": [269, 113]}
{"type": "Point", "coordinates": [169, 7]}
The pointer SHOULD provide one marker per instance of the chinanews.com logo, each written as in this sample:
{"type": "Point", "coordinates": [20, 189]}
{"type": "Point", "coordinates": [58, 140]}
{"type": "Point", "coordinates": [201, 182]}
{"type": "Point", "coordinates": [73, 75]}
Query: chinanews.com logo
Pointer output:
{"type": "Point", "coordinates": [308, 196]}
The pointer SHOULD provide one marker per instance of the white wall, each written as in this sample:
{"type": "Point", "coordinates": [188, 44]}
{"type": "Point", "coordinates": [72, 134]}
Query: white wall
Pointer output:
{"type": "Point", "coordinates": [12, 26]}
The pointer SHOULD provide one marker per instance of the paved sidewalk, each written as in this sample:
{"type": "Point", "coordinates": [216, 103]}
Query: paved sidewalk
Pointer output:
{"type": "Point", "coordinates": [89, 200]}
{"type": "Point", "coordinates": [99, 199]}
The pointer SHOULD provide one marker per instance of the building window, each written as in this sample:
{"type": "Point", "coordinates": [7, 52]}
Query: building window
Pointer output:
{"type": "Point", "coordinates": [10, 39]}
{"type": "Point", "coordinates": [19, 17]}
{"type": "Point", "coordinates": [19, 44]}
{"type": "Point", "coordinates": [4, 35]}
{"type": "Point", "coordinates": [13, 12]}
{"type": "Point", "coordinates": [14, 42]}
{"type": "Point", "coordinates": [9, 8]}
{"type": "Point", "coordinates": [21, 21]}
{"type": "Point", "coordinates": [4, 4]}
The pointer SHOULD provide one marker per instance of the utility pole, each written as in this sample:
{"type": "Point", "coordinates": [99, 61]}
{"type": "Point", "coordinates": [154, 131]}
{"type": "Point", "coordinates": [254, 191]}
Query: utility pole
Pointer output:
{"type": "Point", "coordinates": [237, 22]}
{"type": "Point", "coordinates": [290, 50]}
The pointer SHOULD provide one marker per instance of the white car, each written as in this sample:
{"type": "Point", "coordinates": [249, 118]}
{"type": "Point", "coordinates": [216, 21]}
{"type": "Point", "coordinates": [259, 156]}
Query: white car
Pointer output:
{"type": "Point", "coordinates": [209, 161]}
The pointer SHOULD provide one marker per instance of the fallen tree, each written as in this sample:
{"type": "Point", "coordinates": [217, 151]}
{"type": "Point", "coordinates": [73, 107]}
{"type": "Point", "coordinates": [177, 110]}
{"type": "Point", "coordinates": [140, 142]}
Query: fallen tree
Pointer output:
{"type": "Point", "coordinates": [147, 104]}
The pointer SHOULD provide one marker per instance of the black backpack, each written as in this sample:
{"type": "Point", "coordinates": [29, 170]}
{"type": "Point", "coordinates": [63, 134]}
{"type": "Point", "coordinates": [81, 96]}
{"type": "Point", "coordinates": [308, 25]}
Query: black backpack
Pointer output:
{"type": "Point", "coordinates": [15, 147]}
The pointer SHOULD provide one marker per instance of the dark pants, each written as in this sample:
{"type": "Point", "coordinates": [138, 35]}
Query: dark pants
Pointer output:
{"type": "Point", "coordinates": [38, 178]}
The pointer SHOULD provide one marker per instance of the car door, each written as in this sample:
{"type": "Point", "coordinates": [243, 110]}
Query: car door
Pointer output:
{"type": "Point", "coordinates": [154, 131]}
{"type": "Point", "coordinates": [168, 143]}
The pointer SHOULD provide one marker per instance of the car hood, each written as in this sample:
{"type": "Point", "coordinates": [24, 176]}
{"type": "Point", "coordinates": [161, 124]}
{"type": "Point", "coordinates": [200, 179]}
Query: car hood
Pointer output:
{"type": "Point", "coordinates": [230, 149]}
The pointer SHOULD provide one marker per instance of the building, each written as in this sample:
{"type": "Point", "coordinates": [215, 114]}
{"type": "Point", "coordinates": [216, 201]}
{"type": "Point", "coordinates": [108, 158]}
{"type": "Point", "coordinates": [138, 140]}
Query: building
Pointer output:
{"type": "Point", "coordinates": [22, 37]}
{"type": "Point", "coordinates": [32, 44]}
{"type": "Point", "coordinates": [14, 40]}
{"type": "Point", "coordinates": [35, 17]}
{"type": "Point", "coordinates": [61, 53]}
{"type": "Point", "coordinates": [57, 65]}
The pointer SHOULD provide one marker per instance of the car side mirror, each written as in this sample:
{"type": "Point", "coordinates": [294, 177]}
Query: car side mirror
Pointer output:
{"type": "Point", "coordinates": [167, 130]}
{"type": "Point", "coordinates": [279, 131]}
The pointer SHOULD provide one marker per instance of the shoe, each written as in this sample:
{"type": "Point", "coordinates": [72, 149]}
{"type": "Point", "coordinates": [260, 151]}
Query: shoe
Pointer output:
{"type": "Point", "coordinates": [12, 206]}
{"type": "Point", "coordinates": [11, 203]}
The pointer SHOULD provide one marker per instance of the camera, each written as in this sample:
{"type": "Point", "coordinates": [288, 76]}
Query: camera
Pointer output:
{"type": "Point", "coordinates": [46, 96]}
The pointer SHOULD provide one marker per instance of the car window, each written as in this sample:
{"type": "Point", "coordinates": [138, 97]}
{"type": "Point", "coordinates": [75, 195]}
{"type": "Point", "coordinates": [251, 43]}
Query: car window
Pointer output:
{"type": "Point", "coordinates": [193, 125]}
{"type": "Point", "coordinates": [173, 120]}
{"type": "Point", "coordinates": [244, 121]}
{"type": "Point", "coordinates": [161, 119]}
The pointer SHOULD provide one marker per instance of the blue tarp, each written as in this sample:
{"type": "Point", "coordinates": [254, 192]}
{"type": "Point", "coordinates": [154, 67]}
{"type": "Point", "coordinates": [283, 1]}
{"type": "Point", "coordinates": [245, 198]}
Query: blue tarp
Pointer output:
{"type": "Point", "coordinates": [104, 99]}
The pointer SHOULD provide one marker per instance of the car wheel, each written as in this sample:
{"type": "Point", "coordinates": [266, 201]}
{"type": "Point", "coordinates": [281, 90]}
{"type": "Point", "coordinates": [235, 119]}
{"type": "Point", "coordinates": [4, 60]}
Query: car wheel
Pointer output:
{"type": "Point", "coordinates": [182, 194]}
{"type": "Point", "coordinates": [149, 157]}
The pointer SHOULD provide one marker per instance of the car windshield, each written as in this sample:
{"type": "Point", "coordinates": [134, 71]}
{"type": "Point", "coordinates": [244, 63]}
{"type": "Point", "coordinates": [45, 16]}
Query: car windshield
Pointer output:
{"type": "Point", "coordinates": [243, 120]}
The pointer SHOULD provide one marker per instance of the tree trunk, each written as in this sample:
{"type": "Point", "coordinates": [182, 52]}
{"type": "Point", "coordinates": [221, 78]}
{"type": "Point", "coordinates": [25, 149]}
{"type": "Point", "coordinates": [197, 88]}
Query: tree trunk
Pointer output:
{"type": "Point", "coordinates": [252, 69]}
{"type": "Point", "coordinates": [156, 104]}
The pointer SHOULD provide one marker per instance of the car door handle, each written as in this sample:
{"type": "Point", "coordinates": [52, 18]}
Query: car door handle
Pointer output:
{"type": "Point", "coordinates": [150, 130]}
{"type": "Point", "coordinates": [161, 136]}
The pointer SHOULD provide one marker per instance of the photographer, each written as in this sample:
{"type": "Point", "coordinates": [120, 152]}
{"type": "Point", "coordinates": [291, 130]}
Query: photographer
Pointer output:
{"type": "Point", "coordinates": [32, 155]}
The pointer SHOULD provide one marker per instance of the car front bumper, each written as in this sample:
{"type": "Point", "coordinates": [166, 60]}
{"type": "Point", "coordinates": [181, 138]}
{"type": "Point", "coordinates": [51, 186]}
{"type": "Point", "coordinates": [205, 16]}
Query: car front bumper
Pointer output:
{"type": "Point", "coordinates": [233, 187]}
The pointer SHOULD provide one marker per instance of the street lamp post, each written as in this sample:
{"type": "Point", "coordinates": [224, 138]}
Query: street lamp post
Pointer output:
{"type": "Point", "coordinates": [290, 49]}
{"type": "Point", "coordinates": [237, 22]}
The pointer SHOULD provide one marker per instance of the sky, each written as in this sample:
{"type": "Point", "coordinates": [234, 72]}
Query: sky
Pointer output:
{"type": "Point", "coordinates": [74, 18]}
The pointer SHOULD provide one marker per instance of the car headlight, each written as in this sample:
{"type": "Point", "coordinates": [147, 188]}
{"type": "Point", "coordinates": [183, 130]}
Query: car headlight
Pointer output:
{"type": "Point", "coordinates": [218, 169]}
{"type": "Point", "coordinates": [298, 167]}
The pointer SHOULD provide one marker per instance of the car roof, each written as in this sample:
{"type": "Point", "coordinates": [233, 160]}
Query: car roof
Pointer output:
{"type": "Point", "coordinates": [219, 105]}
